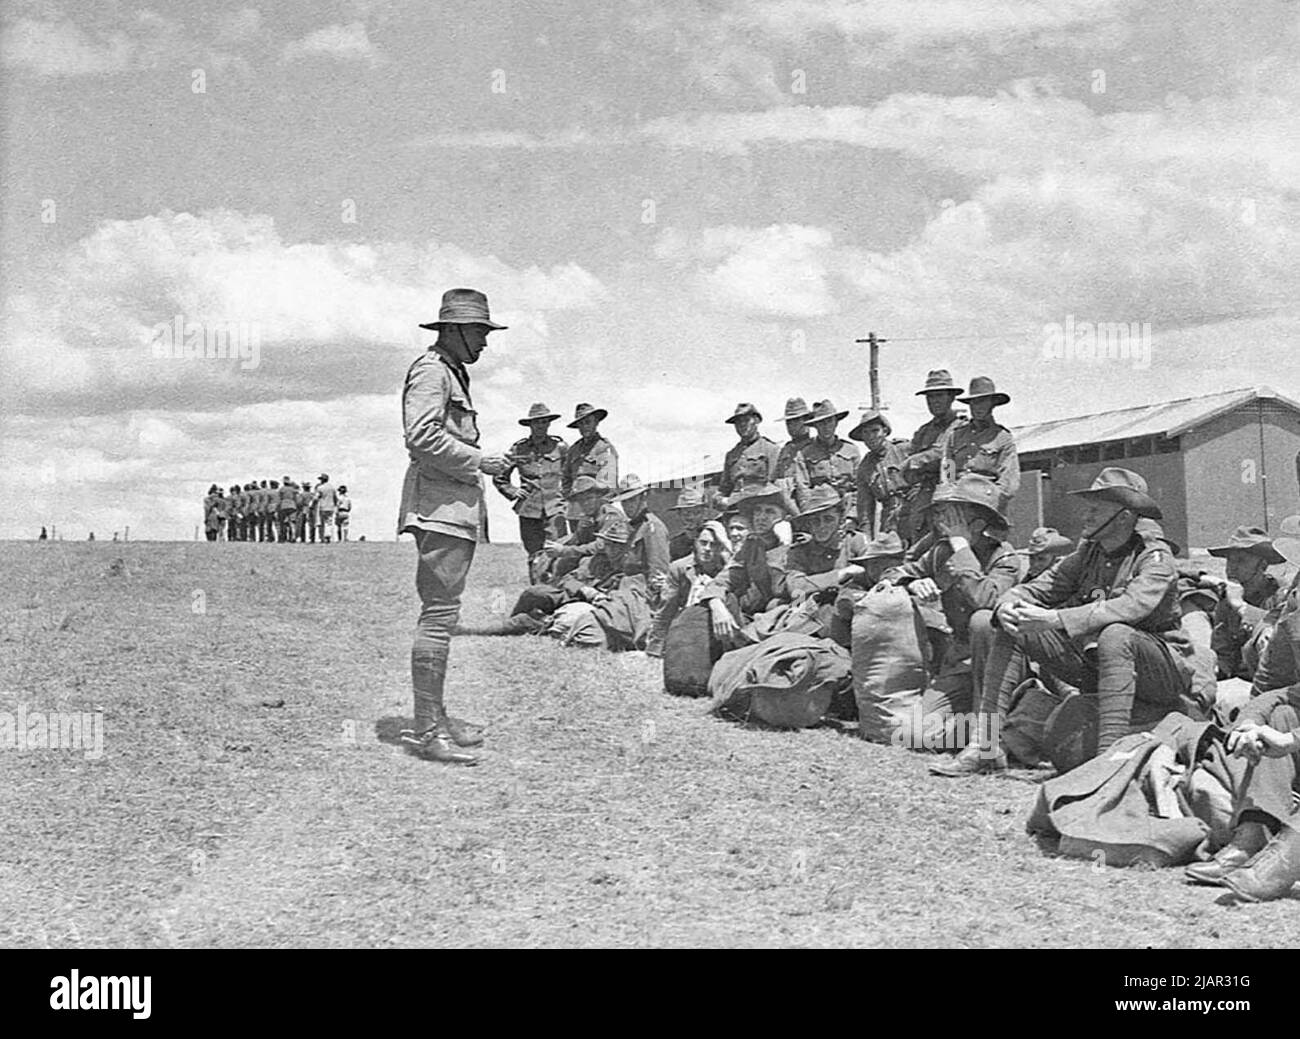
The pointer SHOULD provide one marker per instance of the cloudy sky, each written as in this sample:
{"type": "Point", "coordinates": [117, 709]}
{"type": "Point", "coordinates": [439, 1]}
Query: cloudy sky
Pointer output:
{"type": "Point", "coordinates": [675, 206]}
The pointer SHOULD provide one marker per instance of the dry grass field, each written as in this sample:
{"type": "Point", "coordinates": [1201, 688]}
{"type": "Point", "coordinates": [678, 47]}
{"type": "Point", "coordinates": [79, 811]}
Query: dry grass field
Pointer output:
{"type": "Point", "coordinates": [248, 794]}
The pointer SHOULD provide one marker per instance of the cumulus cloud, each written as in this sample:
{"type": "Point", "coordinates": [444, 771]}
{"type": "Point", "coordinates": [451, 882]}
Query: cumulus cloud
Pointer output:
{"type": "Point", "coordinates": [331, 318]}
{"type": "Point", "coordinates": [780, 271]}
{"type": "Point", "coordinates": [344, 42]}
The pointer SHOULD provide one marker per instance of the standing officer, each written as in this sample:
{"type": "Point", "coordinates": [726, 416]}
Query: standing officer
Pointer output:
{"type": "Point", "coordinates": [538, 501]}
{"type": "Point", "coordinates": [880, 476]}
{"type": "Point", "coordinates": [981, 445]}
{"type": "Point", "coordinates": [309, 511]}
{"type": "Point", "coordinates": [442, 505]}
{"type": "Point", "coordinates": [921, 468]}
{"type": "Point", "coordinates": [751, 460]}
{"type": "Point", "coordinates": [828, 459]}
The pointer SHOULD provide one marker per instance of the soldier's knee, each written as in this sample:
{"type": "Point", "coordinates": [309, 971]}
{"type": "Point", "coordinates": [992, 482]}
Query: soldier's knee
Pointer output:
{"type": "Point", "coordinates": [981, 626]}
{"type": "Point", "coordinates": [1115, 639]}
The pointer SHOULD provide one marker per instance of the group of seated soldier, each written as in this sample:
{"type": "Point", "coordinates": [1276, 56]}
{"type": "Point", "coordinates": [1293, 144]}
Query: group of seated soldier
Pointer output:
{"type": "Point", "coordinates": [1116, 623]}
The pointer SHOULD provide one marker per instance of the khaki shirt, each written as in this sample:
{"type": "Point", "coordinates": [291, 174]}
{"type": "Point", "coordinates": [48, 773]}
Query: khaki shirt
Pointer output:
{"type": "Point", "coordinates": [595, 458]}
{"type": "Point", "coordinates": [880, 483]}
{"type": "Point", "coordinates": [541, 477]}
{"type": "Point", "coordinates": [981, 447]}
{"type": "Point", "coordinates": [973, 578]}
{"type": "Point", "coordinates": [812, 566]}
{"type": "Point", "coordinates": [443, 490]}
{"type": "Point", "coordinates": [921, 468]}
{"type": "Point", "coordinates": [745, 464]}
{"type": "Point", "coordinates": [835, 464]}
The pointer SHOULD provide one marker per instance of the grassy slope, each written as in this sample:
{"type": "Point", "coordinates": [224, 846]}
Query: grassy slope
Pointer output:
{"type": "Point", "coordinates": [604, 812]}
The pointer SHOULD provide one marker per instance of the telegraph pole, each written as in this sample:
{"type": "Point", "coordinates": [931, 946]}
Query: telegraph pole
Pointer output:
{"type": "Point", "coordinates": [874, 342]}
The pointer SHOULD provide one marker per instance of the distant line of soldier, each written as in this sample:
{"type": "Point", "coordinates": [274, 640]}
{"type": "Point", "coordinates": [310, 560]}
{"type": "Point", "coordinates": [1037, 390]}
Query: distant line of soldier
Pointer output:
{"type": "Point", "coordinates": [278, 510]}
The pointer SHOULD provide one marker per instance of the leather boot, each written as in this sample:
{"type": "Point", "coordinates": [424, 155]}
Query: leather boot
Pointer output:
{"type": "Point", "coordinates": [463, 733]}
{"type": "Point", "coordinates": [519, 624]}
{"type": "Point", "coordinates": [1271, 873]}
{"type": "Point", "coordinates": [971, 761]}
{"type": "Point", "coordinates": [436, 744]}
{"type": "Point", "coordinates": [1248, 840]}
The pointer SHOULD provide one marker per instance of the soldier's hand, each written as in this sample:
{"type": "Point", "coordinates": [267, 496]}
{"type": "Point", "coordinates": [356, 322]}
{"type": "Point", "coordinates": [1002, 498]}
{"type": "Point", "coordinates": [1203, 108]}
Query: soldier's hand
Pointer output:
{"type": "Point", "coordinates": [1262, 740]}
{"type": "Point", "coordinates": [801, 537]}
{"type": "Point", "coordinates": [1235, 594]}
{"type": "Point", "coordinates": [724, 625]}
{"type": "Point", "coordinates": [925, 589]}
{"type": "Point", "coordinates": [848, 573]}
{"type": "Point", "coordinates": [493, 465]}
{"type": "Point", "coordinates": [1009, 616]}
{"type": "Point", "coordinates": [1034, 618]}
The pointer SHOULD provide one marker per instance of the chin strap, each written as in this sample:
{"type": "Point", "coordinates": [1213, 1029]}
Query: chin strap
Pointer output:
{"type": "Point", "coordinates": [1096, 533]}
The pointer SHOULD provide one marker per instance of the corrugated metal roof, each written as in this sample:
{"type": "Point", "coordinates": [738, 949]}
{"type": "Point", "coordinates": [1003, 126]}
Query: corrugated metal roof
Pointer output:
{"type": "Point", "coordinates": [1170, 418]}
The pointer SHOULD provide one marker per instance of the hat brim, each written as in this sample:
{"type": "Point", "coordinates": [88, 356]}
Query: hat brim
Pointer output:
{"type": "Point", "coordinates": [804, 417]}
{"type": "Point", "coordinates": [819, 509]}
{"type": "Point", "coordinates": [492, 325]}
{"type": "Point", "coordinates": [749, 504]}
{"type": "Point", "coordinates": [634, 492]}
{"type": "Point", "coordinates": [1267, 552]}
{"type": "Point", "coordinates": [538, 418]}
{"type": "Point", "coordinates": [900, 554]}
{"type": "Point", "coordinates": [599, 414]}
{"type": "Point", "coordinates": [1127, 497]}
{"type": "Point", "coordinates": [744, 414]}
{"type": "Point", "coordinates": [998, 398]}
{"type": "Point", "coordinates": [989, 512]}
{"type": "Point", "coordinates": [856, 432]}
{"type": "Point", "coordinates": [954, 390]}
{"type": "Point", "coordinates": [838, 416]}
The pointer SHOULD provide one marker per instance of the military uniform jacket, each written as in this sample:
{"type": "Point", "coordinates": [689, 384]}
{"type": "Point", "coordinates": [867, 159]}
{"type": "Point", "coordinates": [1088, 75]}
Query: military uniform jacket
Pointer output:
{"type": "Point", "coordinates": [683, 586]}
{"type": "Point", "coordinates": [1136, 586]}
{"type": "Point", "coordinates": [647, 549]}
{"type": "Point", "coordinates": [835, 464]}
{"type": "Point", "coordinates": [971, 578]}
{"type": "Point", "coordinates": [211, 512]}
{"type": "Point", "coordinates": [981, 447]}
{"type": "Point", "coordinates": [682, 544]}
{"type": "Point", "coordinates": [442, 491]}
{"type": "Point", "coordinates": [745, 464]}
{"type": "Point", "coordinates": [755, 575]}
{"type": "Point", "coordinates": [595, 458]}
{"type": "Point", "coordinates": [921, 467]}
{"type": "Point", "coordinates": [288, 500]}
{"type": "Point", "coordinates": [785, 458]}
{"type": "Point", "coordinates": [541, 477]}
{"type": "Point", "coordinates": [880, 482]}
{"type": "Point", "coordinates": [1277, 679]}
{"type": "Point", "coordinates": [1234, 631]}
{"type": "Point", "coordinates": [814, 566]}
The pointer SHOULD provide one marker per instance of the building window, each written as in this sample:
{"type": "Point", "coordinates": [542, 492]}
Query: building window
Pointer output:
{"type": "Point", "coordinates": [1111, 451]}
{"type": "Point", "coordinates": [1088, 454]}
{"type": "Point", "coordinates": [1167, 445]}
{"type": "Point", "coordinates": [1139, 447]}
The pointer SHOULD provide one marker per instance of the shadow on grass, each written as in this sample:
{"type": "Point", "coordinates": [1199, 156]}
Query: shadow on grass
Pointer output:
{"type": "Point", "coordinates": [388, 729]}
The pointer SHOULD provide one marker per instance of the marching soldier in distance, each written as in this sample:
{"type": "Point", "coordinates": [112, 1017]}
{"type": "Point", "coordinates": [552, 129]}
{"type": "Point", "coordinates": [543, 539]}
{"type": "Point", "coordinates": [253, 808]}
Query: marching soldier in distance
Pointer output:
{"type": "Point", "coordinates": [302, 511]}
{"type": "Point", "coordinates": [538, 501]}
{"type": "Point", "coordinates": [442, 505]}
{"type": "Point", "coordinates": [286, 506]}
{"type": "Point", "coordinates": [880, 483]}
{"type": "Point", "coordinates": [326, 502]}
{"type": "Point", "coordinates": [211, 514]}
{"type": "Point", "coordinates": [981, 445]}
{"type": "Point", "coordinates": [312, 510]}
{"type": "Point", "coordinates": [827, 460]}
{"type": "Point", "coordinates": [752, 459]}
{"type": "Point", "coordinates": [591, 455]}
{"type": "Point", "coordinates": [264, 522]}
{"type": "Point", "coordinates": [921, 468]}
{"type": "Point", "coordinates": [343, 513]}
{"type": "Point", "coordinates": [235, 524]}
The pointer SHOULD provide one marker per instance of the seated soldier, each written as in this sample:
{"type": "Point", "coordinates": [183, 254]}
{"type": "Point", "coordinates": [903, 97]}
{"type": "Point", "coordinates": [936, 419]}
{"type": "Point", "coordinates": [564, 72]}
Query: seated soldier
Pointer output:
{"type": "Point", "coordinates": [588, 508]}
{"type": "Point", "coordinates": [1248, 601]}
{"type": "Point", "coordinates": [595, 576]}
{"type": "Point", "coordinates": [1105, 618]}
{"type": "Point", "coordinates": [736, 525]}
{"type": "Point", "coordinates": [685, 580]}
{"type": "Point", "coordinates": [692, 512]}
{"type": "Point", "coordinates": [822, 548]}
{"type": "Point", "coordinates": [1262, 860]}
{"type": "Point", "coordinates": [754, 579]}
{"type": "Point", "coordinates": [1046, 546]}
{"type": "Point", "coordinates": [865, 571]}
{"type": "Point", "coordinates": [967, 568]}
{"type": "Point", "coordinates": [647, 551]}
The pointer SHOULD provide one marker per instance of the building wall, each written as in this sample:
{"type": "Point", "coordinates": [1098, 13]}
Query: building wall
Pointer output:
{"type": "Point", "coordinates": [1227, 476]}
